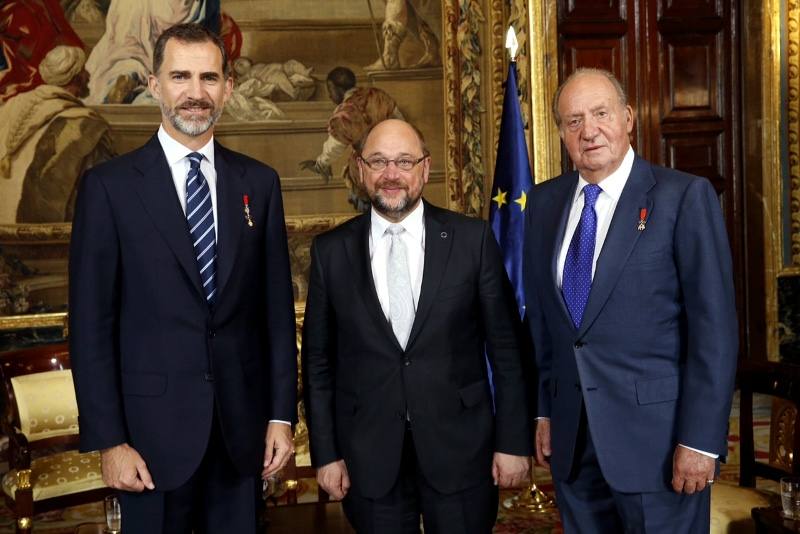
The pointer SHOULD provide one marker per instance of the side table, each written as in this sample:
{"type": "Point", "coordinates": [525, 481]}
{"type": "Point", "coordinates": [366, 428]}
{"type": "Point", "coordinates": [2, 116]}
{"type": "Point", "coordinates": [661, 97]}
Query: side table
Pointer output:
{"type": "Point", "coordinates": [771, 521]}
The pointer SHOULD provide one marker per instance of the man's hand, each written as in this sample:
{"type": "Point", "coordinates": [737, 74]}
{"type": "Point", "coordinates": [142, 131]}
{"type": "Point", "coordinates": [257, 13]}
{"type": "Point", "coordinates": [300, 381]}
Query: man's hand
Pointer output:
{"type": "Point", "coordinates": [691, 470]}
{"type": "Point", "coordinates": [510, 471]}
{"type": "Point", "coordinates": [543, 450]}
{"type": "Point", "coordinates": [124, 469]}
{"type": "Point", "coordinates": [313, 166]}
{"type": "Point", "coordinates": [333, 478]}
{"type": "Point", "coordinates": [279, 446]}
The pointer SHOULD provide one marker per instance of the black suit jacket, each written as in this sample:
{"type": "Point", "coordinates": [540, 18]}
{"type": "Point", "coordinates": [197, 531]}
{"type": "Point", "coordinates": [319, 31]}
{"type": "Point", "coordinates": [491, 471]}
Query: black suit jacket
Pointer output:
{"type": "Point", "coordinates": [151, 361]}
{"type": "Point", "coordinates": [359, 380]}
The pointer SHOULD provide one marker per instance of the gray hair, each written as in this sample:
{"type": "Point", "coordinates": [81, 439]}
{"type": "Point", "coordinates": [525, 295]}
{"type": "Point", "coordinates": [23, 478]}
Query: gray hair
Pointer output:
{"type": "Point", "coordinates": [581, 71]}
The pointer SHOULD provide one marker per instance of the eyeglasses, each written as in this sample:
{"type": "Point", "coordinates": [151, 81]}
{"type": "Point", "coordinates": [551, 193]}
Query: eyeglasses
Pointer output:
{"type": "Point", "coordinates": [404, 163]}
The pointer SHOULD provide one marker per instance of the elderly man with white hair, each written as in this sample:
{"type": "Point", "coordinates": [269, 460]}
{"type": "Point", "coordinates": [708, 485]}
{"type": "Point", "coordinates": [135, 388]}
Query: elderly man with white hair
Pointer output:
{"type": "Point", "coordinates": [48, 137]}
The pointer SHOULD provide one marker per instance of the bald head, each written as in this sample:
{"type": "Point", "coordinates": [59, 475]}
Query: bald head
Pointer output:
{"type": "Point", "coordinates": [391, 128]}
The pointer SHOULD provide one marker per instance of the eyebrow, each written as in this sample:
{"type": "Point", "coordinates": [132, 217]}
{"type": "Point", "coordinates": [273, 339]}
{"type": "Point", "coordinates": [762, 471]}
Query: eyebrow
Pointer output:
{"type": "Point", "coordinates": [382, 155]}
{"type": "Point", "coordinates": [209, 74]}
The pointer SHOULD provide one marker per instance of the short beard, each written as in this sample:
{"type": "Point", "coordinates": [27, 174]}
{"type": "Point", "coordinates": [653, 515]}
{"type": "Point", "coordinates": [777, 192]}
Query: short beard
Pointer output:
{"type": "Point", "coordinates": [191, 127]}
{"type": "Point", "coordinates": [404, 206]}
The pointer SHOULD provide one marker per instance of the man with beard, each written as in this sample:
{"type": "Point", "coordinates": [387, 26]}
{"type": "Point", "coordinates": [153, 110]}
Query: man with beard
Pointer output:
{"type": "Point", "coordinates": [404, 304]}
{"type": "Point", "coordinates": [182, 331]}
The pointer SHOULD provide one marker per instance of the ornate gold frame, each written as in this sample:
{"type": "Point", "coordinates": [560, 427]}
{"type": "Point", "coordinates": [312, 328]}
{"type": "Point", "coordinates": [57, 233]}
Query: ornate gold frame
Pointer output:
{"type": "Point", "coordinates": [774, 190]}
{"type": "Point", "coordinates": [792, 26]}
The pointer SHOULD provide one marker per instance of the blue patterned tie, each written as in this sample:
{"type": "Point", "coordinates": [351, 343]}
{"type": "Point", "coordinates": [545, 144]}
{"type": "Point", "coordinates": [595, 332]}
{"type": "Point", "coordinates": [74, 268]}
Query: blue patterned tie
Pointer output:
{"type": "Point", "coordinates": [200, 215]}
{"type": "Point", "coordinates": [577, 280]}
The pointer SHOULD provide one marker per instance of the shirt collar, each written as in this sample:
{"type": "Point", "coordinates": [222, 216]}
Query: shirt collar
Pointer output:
{"type": "Point", "coordinates": [175, 151]}
{"type": "Point", "coordinates": [614, 183]}
{"type": "Point", "coordinates": [413, 223]}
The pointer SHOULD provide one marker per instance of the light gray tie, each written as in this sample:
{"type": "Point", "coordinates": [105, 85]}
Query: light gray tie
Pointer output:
{"type": "Point", "coordinates": [401, 298]}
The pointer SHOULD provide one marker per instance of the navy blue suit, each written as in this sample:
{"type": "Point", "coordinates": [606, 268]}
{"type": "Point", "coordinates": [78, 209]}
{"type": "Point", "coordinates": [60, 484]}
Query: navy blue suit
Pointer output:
{"type": "Point", "coordinates": [654, 360]}
{"type": "Point", "coordinates": [153, 364]}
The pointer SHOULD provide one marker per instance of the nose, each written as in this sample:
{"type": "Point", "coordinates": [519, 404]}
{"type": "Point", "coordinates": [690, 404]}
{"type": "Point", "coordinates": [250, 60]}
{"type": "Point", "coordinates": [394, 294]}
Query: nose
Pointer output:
{"type": "Point", "coordinates": [391, 170]}
{"type": "Point", "coordinates": [194, 88]}
{"type": "Point", "coordinates": [590, 129]}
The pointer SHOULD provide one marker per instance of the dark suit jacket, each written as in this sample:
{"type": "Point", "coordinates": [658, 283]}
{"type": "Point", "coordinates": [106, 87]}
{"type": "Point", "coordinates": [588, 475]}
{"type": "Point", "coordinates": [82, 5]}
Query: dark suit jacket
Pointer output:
{"type": "Point", "coordinates": [655, 357]}
{"type": "Point", "coordinates": [151, 361]}
{"type": "Point", "coordinates": [359, 380]}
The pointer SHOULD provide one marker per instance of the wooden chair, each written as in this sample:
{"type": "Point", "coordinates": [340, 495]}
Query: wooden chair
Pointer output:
{"type": "Point", "coordinates": [46, 471]}
{"type": "Point", "coordinates": [731, 504]}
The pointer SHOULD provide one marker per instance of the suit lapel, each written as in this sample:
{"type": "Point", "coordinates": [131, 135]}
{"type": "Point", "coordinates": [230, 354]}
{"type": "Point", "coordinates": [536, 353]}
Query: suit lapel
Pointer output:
{"type": "Point", "coordinates": [438, 241]}
{"type": "Point", "coordinates": [620, 240]}
{"type": "Point", "coordinates": [357, 249]}
{"type": "Point", "coordinates": [157, 192]}
{"type": "Point", "coordinates": [560, 207]}
{"type": "Point", "coordinates": [230, 192]}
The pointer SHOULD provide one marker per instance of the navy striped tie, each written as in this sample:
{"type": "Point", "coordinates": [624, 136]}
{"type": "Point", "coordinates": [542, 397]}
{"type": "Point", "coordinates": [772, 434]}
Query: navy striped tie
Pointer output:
{"type": "Point", "coordinates": [200, 215]}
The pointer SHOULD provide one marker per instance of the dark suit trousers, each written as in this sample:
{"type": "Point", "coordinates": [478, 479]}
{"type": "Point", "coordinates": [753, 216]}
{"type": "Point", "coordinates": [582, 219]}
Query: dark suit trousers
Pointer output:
{"type": "Point", "coordinates": [472, 511]}
{"type": "Point", "coordinates": [214, 499]}
{"type": "Point", "coordinates": [588, 505]}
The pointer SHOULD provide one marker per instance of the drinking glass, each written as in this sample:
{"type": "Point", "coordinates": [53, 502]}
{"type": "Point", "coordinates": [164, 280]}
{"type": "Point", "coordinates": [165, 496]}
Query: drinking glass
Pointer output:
{"type": "Point", "coordinates": [113, 515]}
{"type": "Point", "coordinates": [790, 497]}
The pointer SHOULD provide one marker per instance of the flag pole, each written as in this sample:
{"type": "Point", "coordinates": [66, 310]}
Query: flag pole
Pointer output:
{"type": "Point", "coordinates": [530, 499]}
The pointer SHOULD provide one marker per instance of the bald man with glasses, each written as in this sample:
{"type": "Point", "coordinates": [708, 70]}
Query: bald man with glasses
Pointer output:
{"type": "Point", "coordinates": [404, 304]}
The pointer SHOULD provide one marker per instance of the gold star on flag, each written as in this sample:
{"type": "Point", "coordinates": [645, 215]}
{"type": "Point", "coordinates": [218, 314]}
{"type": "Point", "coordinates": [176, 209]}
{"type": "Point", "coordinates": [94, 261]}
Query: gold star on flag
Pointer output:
{"type": "Point", "coordinates": [522, 200]}
{"type": "Point", "coordinates": [500, 198]}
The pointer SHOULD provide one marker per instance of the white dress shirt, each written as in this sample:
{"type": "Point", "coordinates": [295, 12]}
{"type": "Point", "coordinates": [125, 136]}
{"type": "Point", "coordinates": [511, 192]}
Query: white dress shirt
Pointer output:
{"type": "Point", "coordinates": [179, 165]}
{"type": "Point", "coordinates": [612, 187]}
{"type": "Point", "coordinates": [379, 243]}
{"type": "Point", "coordinates": [178, 162]}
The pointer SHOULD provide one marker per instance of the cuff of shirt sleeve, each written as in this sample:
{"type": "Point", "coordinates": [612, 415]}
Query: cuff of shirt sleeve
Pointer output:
{"type": "Point", "coordinates": [280, 421]}
{"type": "Point", "coordinates": [704, 453]}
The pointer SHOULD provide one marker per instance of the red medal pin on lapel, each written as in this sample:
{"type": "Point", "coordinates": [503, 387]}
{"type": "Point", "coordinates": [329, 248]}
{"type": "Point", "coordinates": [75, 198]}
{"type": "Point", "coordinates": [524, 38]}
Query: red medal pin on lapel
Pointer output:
{"type": "Point", "coordinates": [247, 217]}
{"type": "Point", "coordinates": [642, 219]}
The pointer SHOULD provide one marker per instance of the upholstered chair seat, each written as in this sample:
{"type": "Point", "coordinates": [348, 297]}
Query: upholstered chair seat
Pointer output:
{"type": "Point", "coordinates": [46, 471]}
{"type": "Point", "coordinates": [59, 474]}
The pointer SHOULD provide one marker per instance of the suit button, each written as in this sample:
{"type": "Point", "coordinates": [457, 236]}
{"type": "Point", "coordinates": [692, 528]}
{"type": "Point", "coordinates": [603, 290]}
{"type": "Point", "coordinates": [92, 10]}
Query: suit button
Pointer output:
{"type": "Point", "coordinates": [406, 362]}
{"type": "Point", "coordinates": [212, 333]}
{"type": "Point", "coordinates": [579, 344]}
{"type": "Point", "coordinates": [208, 377]}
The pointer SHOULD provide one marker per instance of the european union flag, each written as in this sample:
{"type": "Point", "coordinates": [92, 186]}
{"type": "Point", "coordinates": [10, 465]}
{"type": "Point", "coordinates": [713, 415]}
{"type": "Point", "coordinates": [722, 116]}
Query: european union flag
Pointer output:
{"type": "Point", "coordinates": [512, 181]}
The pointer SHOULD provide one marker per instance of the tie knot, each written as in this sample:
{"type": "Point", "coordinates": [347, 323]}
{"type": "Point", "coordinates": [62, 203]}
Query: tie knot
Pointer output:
{"type": "Point", "coordinates": [590, 194]}
{"type": "Point", "coordinates": [395, 229]}
{"type": "Point", "coordinates": [194, 160]}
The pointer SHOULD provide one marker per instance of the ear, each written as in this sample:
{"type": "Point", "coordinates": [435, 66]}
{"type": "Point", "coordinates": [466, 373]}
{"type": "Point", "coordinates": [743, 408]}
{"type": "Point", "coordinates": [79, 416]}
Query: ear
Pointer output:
{"type": "Point", "coordinates": [630, 117]}
{"type": "Point", "coordinates": [153, 86]}
{"type": "Point", "coordinates": [228, 89]}
{"type": "Point", "coordinates": [360, 172]}
{"type": "Point", "coordinates": [426, 169]}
